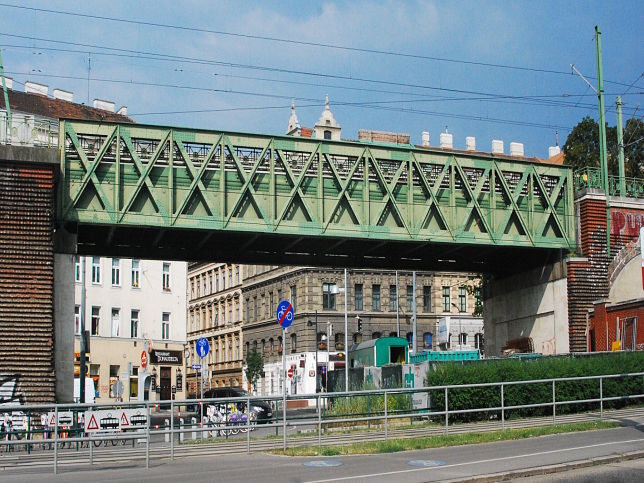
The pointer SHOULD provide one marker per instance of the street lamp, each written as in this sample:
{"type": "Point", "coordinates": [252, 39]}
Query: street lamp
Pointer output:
{"type": "Point", "coordinates": [460, 330]}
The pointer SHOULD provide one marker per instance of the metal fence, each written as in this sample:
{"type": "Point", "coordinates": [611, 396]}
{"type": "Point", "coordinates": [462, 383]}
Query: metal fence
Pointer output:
{"type": "Point", "coordinates": [73, 433]}
{"type": "Point", "coordinates": [589, 177]}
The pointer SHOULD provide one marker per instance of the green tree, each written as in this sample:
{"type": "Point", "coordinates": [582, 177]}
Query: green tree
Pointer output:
{"type": "Point", "coordinates": [582, 146]}
{"type": "Point", "coordinates": [254, 366]}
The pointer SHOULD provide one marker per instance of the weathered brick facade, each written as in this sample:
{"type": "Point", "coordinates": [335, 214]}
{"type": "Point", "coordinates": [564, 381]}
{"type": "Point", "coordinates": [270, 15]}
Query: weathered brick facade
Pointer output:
{"type": "Point", "coordinates": [27, 282]}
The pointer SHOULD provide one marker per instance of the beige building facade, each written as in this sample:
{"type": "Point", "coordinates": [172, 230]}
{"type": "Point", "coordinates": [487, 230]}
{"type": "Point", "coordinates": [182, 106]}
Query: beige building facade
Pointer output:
{"type": "Point", "coordinates": [215, 312]}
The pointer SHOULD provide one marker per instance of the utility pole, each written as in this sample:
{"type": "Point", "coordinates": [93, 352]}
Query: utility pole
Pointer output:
{"type": "Point", "coordinates": [603, 154]}
{"type": "Point", "coordinates": [620, 146]}
{"type": "Point", "coordinates": [346, 333]}
{"type": "Point", "coordinates": [413, 338]}
{"type": "Point", "coordinates": [83, 347]}
{"type": "Point", "coordinates": [6, 100]}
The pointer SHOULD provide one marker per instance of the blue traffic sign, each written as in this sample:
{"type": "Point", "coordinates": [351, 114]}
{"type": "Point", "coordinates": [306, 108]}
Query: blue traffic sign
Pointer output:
{"type": "Point", "coordinates": [196, 366]}
{"type": "Point", "coordinates": [202, 347]}
{"type": "Point", "coordinates": [285, 313]}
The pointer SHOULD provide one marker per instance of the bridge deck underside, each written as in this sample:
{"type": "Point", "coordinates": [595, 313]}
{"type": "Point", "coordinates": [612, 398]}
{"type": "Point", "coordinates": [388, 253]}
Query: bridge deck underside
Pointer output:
{"type": "Point", "coordinates": [201, 195]}
{"type": "Point", "coordinates": [243, 247]}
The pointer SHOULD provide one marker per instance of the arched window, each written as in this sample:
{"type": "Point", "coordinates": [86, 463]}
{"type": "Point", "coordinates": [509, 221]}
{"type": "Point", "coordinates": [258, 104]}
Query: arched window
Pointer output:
{"type": "Point", "coordinates": [293, 343]}
{"type": "Point", "coordinates": [339, 341]}
{"type": "Point", "coordinates": [357, 338]}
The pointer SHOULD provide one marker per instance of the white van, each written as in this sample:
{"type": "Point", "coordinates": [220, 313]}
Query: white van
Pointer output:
{"type": "Point", "coordinates": [89, 390]}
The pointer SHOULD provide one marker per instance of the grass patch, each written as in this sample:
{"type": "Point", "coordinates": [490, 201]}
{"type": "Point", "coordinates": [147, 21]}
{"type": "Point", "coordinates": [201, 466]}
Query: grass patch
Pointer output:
{"type": "Point", "coordinates": [427, 442]}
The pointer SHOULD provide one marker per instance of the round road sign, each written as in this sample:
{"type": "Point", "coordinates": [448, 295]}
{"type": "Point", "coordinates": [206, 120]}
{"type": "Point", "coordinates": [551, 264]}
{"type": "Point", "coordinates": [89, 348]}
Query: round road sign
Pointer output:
{"type": "Point", "coordinates": [290, 372]}
{"type": "Point", "coordinates": [285, 313]}
{"type": "Point", "coordinates": [144, 359]}
{"type": "Point", "coordinates": [203, 347]}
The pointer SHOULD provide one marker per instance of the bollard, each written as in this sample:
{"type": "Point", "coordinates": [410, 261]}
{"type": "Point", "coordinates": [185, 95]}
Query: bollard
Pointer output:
{"type": "Point", "coordinates": [204, 425]}
{"type": "Point", "coordinates": [193, 421]}
{"type": "Point", "coordinates": [167, 430]}
{"type": "Point", "coordinates": [181, 434]}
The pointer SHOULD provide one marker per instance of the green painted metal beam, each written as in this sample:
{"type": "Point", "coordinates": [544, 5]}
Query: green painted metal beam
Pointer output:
{"type": "Point", "coordinates": [154, 176]}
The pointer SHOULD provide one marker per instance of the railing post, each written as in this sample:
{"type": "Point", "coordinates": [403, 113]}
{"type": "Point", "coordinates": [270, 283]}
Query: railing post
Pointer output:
{"type": "Point", "coordinates": [554, 404]}
{"type": "Point", "coordinates": [601, 398]}
{"type": "Point", "coordinates": [91, 449]}
{"type": "Point", "coordinates": [319, 421]}
{"type": "Point", "coordinates": [193, 422]}
{"type": "Point", "coordinates": [284, 420]}
{"type": "Point", "coordinates": [502, 408]}
{"type": "Point", "coordinates": [171, 430]}
{"type": "Point", "coordinates": [147, 439]}
{"type": "Point", "coordinates": [386, 421]}
{"type": "Point", "coordinates": [55, 440]}
{"type": "Point", "coordinates": [248, 425]}
{"type": "Point", "coordinates": [166, 430]}
{"type": "Point", "coordinates": [446, 413]}
{"type": "Point", "coordinates": [181, 433]}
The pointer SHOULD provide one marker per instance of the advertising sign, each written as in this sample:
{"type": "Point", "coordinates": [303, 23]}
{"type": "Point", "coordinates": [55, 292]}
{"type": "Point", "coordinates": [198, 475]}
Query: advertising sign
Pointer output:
{"type": "Point", "coordinates": [443, 330]}
{"type": "Point", "coordinates": [166, 357]}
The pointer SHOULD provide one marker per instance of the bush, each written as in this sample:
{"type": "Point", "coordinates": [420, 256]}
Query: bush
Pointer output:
{"type": "Point", "coordinates": [507, 370]}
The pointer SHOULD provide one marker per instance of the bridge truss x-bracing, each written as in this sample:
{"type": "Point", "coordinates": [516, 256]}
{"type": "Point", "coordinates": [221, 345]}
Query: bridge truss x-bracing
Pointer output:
{"type": "Point", "coordinates": [346, 199]}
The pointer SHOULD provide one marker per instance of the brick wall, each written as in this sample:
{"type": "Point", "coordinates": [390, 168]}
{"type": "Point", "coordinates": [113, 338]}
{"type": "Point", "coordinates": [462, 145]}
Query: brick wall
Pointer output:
{"type": "Point", "coordinates": [603, 323]}
{"type": "Point", "coordinates": [27, 282]}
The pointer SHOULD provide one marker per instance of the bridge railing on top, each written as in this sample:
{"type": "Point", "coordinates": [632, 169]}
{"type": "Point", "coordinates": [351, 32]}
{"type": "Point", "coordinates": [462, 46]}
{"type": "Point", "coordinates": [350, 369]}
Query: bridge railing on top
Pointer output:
{"type": "Point", "coordinates": [28, 130]}
{"type": "Point", "coordinates": [590, 177]}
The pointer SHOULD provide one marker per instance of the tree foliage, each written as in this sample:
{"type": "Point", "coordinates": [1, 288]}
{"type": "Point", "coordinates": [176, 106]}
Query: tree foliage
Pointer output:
{"type": "Point", "coordinates": [254, 366]}
{"type": "Point", "coordinates": [582, 147]}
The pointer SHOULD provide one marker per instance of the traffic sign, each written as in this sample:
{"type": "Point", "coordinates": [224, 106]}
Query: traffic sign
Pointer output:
{"type": "Point", "coordinates": [144, 359]}
{"type": "Point", "coordinates": [65, 418]}
{"type": "Point", "coordinates": [117, 389]}
{"type": "Point", "coordinates": [196, 367]}
{"type": "Point", "coordinates": [285, 313]}
{"type": "Point", "coordinates": [290, 372]}
{"type": "Point", "coordinates": [202, 347]}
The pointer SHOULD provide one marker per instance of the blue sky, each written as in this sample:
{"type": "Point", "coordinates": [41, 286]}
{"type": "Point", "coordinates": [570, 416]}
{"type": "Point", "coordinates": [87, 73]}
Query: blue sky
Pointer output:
{"type": "Point", "coordinates": [238, 83]}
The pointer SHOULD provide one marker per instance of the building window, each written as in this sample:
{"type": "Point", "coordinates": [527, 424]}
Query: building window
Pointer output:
{"type": "Point", "coordinates": [462, 299]}
{"type": "Point", "coordinates": [96, 319]}
{"type": "Point", "coordinates": [327, 134]}
{"type": "Point", "coordinates": [427, 341]}
{"type": "Point", "coordinates": [358, 296]}
{"type": "Point", "coordinates": [357, 338]}
{"type": "Point", "coordinates": [393, 298]}
{"type": "Point", "coordinates": [116, 272]}
{"type": "Point", "coordinates": [410, 298]}
{"type": "Point", "coordinates": [116, 322]}
{"type": "Point", "coordinates": [165, 326]}
{"type": "Point", "coordinates": [376, 297]}
{"type": "Point", "coordinates": [293, 343]}
{"type": "Point", "coordinates": [134, 324]}
{"type": "Point", "coordinates": [478, 304]}
{"type": "Point", "coordinates": [427, 298]}
{"type": "Point", "coordinates": [166, 276]}
{"type": "Point", "coordinates": [114, 375]}
{"type": "Point", "coordinates": [236, 274]}
{"type": "Point", "coordinates": [77, 319]}
{"type": "Point", "coordinates": [280, 347]}
{"type": "Point", "coordinates": [263, 347]}
{"type": "Point", "coordinates": [96, 270]}
{"type": "Point", "coordinates": [136, 273]}
{"type": "Point", "coordinates": [271, 346]}
{"type": "Point", "coordinates": [255, 307]}
{"type": "Point", "coordinates": [77, 272]}
{"type": "Point", "coordinates": [294, 296]}
{"type": "Point", "coordinates": [339, 341]}
{"type": "Point", "coordinates": [223, 279]}
{"type": "Point", "coordinates": [328, 295]}
{"type": "Point", "coordinates": [478, 341]}
{"type": "Point", "coordinates": [462, 338]}
{"type": "Point", "coordinates": [270, 298]}
{"type": "Point", "coordinates": [255, 345]}
{"type": "Point", "coordinates": [446, 300]}
{"type": "Point", "coordinates": [410, 340]}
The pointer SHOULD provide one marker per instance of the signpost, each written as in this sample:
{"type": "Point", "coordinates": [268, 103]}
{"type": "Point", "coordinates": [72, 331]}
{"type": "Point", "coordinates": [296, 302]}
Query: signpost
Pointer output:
{"type": "Point", "coordinates": [285, 315]}
{"type": "Point", "coordinates": [202, 347]}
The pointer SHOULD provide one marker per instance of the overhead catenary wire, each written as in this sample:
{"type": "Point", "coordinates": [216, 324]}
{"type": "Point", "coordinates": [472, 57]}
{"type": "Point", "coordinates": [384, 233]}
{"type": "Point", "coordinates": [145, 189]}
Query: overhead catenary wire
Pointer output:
{"type": "Point", "coordinates": [289, 41]}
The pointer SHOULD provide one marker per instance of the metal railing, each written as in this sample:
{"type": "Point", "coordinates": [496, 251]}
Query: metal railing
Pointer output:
{"type": "Point", "coordinates": [68, 431]}
{"type": "Point", "coordinates": [28, 130]}
{"type": "Point", "coordinates": [589, 177]}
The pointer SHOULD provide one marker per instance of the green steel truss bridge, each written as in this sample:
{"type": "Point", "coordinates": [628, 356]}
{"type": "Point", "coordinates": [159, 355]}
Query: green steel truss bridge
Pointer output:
{"type": "Point", "coordinates": [163, 192]}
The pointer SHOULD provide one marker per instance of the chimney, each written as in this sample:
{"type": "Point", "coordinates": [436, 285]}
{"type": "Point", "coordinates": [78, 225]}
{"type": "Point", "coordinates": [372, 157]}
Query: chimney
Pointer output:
{"type": "Point", "coordinates": [35, 88]}
{"type": "Point", "coordinates": [516, 149]}
{"type": "Point", "coordinates": [104, 105]}
{"type": "Point", "coordinates": [122, 111]}
{"type": "Point", "coordinates": [446, 140]}
{"type": "Point", "coordinates": [553, 151]}
{"type": "Point", "coordinates": [63, 95]}
{"type": "Point", "coordinates": [470, 143]}
{"type": "Point", "coordinates": [8, 82]}
{"type": "Point", "coordinates": [425, 138]}
{"type": "Point", "coordinates": [497, 146]}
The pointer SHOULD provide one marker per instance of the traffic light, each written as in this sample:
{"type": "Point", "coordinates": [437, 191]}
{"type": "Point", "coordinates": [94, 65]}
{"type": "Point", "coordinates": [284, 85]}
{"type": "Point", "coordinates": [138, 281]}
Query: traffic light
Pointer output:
{"type": "Point", "coordinates": [359, 324]}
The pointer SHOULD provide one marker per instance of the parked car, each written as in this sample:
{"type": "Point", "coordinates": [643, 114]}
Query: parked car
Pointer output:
{"type": "Point", "coordinates": [262, 409]}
